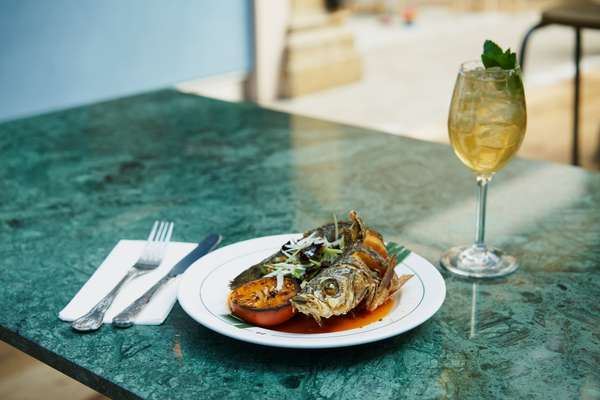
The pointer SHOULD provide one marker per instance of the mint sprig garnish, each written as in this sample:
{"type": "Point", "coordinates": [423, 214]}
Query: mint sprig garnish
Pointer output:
{"type": "Point", "coordinates": [493, 56]}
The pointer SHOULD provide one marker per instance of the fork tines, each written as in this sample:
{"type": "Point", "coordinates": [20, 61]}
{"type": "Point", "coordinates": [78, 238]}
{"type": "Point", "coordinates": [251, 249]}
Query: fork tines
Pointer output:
{"type": "Point", "coordinates": [159, 237]}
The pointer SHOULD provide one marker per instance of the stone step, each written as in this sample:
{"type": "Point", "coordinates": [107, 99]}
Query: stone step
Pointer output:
{"type": "Point", "coordinates": [329, 35]}
{"type": "Point", "coordinates": [316, 20]}
{"type": "Point", "coordinates": [299, 58]}
{"type": "Point", "coordinates": [308, 78]}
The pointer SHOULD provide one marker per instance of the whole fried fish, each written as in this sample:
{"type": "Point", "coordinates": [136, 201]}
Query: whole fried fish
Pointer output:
{"type": "Point", "coordinates": [345, 285]}
{"type": "Point", "coordinates": [360, 274]}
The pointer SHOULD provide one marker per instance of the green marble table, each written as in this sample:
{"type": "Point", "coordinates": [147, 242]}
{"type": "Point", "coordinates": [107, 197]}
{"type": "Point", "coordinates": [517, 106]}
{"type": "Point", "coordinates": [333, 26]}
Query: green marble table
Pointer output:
{"type": "Point", "coordinates": [74, 182]}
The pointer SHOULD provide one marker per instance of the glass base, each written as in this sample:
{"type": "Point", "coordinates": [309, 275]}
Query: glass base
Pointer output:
{"type": "Point", "coordinates": [478, 262]}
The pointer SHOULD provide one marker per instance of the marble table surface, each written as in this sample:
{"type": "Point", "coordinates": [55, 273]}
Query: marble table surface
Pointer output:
{"type": "Point", "coordinates": [74, 182]}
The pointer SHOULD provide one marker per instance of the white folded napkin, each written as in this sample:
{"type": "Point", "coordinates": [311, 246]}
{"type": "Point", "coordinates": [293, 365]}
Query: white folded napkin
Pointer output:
{"type": "Point", "coordinates": [113, 268]}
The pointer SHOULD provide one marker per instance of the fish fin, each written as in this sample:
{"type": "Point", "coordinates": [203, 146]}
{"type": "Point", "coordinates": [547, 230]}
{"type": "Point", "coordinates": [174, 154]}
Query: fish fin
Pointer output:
{"type": "Point", "coordinates": [358, 227]}
{"type": "Point", "coordinates": [382, 292]}
{"type": "Point", "coordinates": [398, 282]}
{"type": "Point", "coordinates": [389, 273]}
{"type": "Point", "coordinates": [402, 279]}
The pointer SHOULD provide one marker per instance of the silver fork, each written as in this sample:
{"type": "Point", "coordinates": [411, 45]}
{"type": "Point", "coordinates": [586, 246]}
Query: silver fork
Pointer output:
{"type": "Point", "coordinates": [151, 257]}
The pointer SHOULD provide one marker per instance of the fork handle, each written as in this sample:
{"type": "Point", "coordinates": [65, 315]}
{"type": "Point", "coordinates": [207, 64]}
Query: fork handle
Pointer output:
{"type": "Point", "coordinates": [92, 320]}
{"type": "Point", "coordinates": [126, 317]}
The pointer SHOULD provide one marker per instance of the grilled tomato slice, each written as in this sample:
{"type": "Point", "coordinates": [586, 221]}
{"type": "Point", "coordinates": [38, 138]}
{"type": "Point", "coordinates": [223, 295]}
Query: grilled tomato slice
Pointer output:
{"type": "Point", "coordinates": [259, 302]}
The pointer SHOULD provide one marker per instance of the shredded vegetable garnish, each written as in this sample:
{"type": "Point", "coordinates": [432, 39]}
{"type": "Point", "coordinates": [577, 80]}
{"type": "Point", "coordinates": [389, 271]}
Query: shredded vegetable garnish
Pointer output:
{"type": "Point", "coordinates": [282, 270]}
{"type": "Point", "coordinates": [304, 257]}
{"type": "Point", "coordinates": [337, 232]}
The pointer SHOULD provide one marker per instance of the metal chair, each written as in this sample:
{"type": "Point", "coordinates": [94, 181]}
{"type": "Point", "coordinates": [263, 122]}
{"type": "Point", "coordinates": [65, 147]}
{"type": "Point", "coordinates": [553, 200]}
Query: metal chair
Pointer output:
{"type": "Point", "coordinates": [578, 15]}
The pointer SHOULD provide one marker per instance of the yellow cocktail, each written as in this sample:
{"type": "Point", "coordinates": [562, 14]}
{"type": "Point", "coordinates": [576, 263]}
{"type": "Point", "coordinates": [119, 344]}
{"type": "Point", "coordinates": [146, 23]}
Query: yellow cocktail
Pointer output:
{"type": "Point", "coordinates": [487, 118]}
{"type": "Point", "coordinates": [486, 124]}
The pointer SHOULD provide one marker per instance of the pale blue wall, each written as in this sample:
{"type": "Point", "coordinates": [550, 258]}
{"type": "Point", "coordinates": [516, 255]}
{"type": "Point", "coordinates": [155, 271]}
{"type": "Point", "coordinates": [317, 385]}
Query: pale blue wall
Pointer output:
{"type": "Point", "coordinates": [60, 53]}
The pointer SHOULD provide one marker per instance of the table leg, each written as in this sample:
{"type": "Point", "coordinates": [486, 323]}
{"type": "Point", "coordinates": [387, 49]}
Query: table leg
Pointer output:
{"type": "Point", "coordinates": [576, 99]}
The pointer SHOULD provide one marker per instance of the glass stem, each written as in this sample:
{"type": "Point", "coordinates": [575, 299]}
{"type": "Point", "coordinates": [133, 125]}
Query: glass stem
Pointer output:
{"type": "Point", "coordinates": [482, 182]}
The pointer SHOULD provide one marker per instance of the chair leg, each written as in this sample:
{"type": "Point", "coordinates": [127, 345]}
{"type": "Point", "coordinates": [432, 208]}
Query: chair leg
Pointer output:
{"type": "Point", "coordinates": [576, 98]}
{"type": "Point", "coordinates": [524, 44]}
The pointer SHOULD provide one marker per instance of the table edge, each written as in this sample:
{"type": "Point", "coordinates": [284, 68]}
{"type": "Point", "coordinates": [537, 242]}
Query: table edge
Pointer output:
{"type": "Point", "coordinates": [65, 366]}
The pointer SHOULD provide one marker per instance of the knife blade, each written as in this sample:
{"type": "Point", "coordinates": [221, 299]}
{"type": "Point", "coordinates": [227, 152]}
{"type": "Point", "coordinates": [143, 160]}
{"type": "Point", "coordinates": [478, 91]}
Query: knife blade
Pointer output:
{"type": "Point", "coordinates": [203, 248]}
{"type": "Point", "coordinates": [126, 317]}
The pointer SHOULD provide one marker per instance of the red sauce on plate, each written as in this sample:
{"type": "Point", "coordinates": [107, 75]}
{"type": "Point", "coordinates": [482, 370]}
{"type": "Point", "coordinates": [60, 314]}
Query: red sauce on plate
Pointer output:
{"type": "Point", "coordinates": [353, 320]}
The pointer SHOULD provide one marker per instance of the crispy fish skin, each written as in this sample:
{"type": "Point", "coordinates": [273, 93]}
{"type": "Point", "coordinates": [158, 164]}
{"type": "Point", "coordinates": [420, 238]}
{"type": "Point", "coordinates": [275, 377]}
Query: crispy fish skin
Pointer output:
{"type": "Point", "coordinates": [254, 272]}
{"type": "Point", "coordinates": [346, 285]}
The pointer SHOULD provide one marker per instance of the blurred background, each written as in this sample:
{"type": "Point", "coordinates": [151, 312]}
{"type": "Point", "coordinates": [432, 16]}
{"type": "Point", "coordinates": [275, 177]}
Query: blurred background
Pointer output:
{"type": "Point", "coordinates": [389, 65]}
{"type": "Point", "coordinates": [383, 64]}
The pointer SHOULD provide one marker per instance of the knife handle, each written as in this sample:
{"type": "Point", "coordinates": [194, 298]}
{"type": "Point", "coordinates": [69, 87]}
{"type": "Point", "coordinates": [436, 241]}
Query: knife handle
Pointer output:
{"type": "Point", "coordinates": [126, 318]}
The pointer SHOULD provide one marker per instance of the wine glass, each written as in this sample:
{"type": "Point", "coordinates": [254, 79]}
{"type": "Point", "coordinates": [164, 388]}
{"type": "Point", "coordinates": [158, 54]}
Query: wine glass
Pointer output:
{"type": "Point", "coordinates": [486, 124]}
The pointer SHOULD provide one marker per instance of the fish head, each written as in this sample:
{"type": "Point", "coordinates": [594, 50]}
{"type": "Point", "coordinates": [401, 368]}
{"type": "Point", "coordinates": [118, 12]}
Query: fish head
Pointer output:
{"type": "Point", "coordinates": [332, 293]}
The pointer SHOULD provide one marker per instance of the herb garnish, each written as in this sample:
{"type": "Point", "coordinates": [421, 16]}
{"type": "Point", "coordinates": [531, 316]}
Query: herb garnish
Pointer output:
{"type": "Point", "coordinates": [305, 257]}
{"type": "Point", "coordinates": [493, 56]}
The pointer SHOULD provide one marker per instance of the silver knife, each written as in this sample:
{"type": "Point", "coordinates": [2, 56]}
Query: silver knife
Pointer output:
{"type": "Point", "coordinates": [126, 317]}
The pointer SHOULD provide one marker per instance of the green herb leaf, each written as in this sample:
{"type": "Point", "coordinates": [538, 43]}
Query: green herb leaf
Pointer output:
{"type": "Point", "coordinates": [236, 321]}
{"type": "Point", "coordinates": [493, 56]}
{"type": "Point", "coordinates": [394, 249]}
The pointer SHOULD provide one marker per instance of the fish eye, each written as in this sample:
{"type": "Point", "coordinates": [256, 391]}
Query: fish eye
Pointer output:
{"type": "Point", "coordinates": [330, 287]}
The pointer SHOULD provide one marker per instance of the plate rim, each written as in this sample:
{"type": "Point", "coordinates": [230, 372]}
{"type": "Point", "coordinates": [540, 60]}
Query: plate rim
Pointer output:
{"type": "Point", "coordinates": [298, 342]}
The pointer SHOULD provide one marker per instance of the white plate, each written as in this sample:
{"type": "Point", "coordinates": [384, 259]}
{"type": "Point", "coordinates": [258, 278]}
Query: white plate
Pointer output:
{"type": "Point", "coordinates": [203, 291]}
